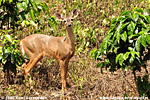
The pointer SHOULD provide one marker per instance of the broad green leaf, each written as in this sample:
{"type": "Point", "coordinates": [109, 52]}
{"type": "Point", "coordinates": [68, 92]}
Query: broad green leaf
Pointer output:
{"type": "Point", "coordinates": [32, 15]}
{"type": "Point", "coordinates": [123, 26]}
{"type": "Point", "coordinates": [134, 35]}
{"type": "Point", "coordinates": [10, 1]}
{"type": "Point", "coordinates": [33, 4]}
{"type": "Point", "coordinates": [139, 10]}
{"type": "Point", "coordinates": [27, 2]}
{"type": "Point", "coordinates": [126, 55]}
{"type": "Point", "coordinates": [133, 54]}
{"type": "Point", "coordinates": [137, 44]}
{"type": "Point", "coordinates": [9, 38]}
{"type": "Point", "coordinates": [148, 19]}
{"type": "Point", "coordinates": [93, 52]}
{"type": "Point", "coordinates": [119, 27]}
{"type": "Point", "coordinates": [136, 30]}
{"type": "Point", "coordinates": [141, 32]}
{"type": "Point", "coordinates": [133, 25]}
{"type": "Point", "coordinates": [119, 58]}
{"type": "Point", "coordinates": [118, 36]}
{"type": "Point", "coordinates": [125, 13]}
{"type": "Point", "coordinates": [20, 6]}
{"type": "Point", "coordinates": [100, 65]}
{"type": "Point", "coordinates": [121, 18]}
{"type": "Point", "coordinates": [124, 36]}
{"type": "Point", "coordinates": [113, 23]}
{"type": "Point", "coordinates": [104, 44]}
{"type": "Point", "coordinates": [145, 30]}
{"type": "Point", "coordinates": [143, 40]}
{"type": "Point", "coordinates": [0, 2]}
{"type": "Point", "coordinates": [136, 17]}
{"type": "Point", "coordinates": [114, 36]}
{"type": "Point", "coordinates": [131, 49]}
{"type": "Point", "coordinates": [148, 38]}
{"type": "Point", "coordinates": [131, 28]}
{"type": "Point", "coordinates": [25, 6]}
{"type": "Point", "coordinates": [131, 60]}
{"type": "Point", "coordinates": [143, 24]}
{"type": "Point", "coordinates": [137, 53]}
{"type": "Point", "coordinates": [4, 1]}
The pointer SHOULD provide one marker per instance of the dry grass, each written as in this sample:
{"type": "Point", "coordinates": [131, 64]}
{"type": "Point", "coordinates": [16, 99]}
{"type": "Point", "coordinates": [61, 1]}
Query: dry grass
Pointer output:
{"type": "Point", "coordinates": [85, 81]}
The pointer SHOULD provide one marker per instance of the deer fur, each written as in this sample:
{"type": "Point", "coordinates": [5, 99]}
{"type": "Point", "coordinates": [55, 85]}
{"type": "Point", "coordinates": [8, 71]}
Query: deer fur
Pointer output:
{"type": "Point", "coordinates": [37, 46]}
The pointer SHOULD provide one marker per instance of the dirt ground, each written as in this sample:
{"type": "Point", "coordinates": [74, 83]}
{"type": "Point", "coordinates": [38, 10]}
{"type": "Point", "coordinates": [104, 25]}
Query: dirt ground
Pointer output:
{"type": "Point", "coordinates": [84, 81]}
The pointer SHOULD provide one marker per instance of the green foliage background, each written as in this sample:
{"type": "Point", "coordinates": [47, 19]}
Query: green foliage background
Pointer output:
{"type": "Point", "coordinates": [25, 17]}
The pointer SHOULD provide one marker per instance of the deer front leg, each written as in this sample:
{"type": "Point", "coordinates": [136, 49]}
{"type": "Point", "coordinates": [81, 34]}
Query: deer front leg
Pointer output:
{"type": "Point", "coordinates": [64, 69]}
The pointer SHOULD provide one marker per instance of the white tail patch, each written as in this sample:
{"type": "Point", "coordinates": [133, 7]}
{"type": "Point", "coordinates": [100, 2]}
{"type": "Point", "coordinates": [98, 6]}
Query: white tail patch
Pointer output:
{"type": "Point", "coordinates": [64, 39]}
{"type": "Point", "coordinates": [22, 49]}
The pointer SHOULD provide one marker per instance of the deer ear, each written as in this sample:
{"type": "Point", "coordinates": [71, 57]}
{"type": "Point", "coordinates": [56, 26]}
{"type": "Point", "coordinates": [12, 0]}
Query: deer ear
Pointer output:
{"type": "Point", "coordinates": [74, 13]}
{"type": "Point", "coordinates": [59, 17]}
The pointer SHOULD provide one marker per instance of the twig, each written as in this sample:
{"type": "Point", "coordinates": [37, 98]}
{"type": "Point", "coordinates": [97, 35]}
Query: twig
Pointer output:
{"type": "Point", "coordinates": [128, 82]}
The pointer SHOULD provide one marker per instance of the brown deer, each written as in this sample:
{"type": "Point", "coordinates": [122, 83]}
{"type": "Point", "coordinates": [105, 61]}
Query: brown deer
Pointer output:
{"type": "Point", "coordinates": [37, 46]}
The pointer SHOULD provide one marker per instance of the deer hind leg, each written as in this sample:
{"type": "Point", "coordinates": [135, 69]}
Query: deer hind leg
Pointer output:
{"type": "Point", "coordinates": [64, 69]}
{"type": "Point", "coordinates": [24, 66]}
{"type": "Point", "coordinates": [30, 65]}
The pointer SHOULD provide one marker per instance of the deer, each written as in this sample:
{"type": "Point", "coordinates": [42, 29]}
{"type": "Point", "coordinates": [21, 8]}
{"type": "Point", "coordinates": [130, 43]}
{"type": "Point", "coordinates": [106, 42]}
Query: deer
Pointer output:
{"type": "Point", "coordinates": [37, 46]}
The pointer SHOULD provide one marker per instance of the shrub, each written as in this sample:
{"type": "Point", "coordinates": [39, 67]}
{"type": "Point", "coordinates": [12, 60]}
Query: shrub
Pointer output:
{"type": "Point", "coordinates": [10, 55]}
{"type": "Point", "coordinates": [127, 44]}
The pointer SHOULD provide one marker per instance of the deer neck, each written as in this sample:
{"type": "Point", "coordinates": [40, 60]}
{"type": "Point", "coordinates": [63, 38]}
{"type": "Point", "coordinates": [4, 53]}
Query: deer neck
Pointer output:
{"type": "Point", "coordinates": [70, 38]}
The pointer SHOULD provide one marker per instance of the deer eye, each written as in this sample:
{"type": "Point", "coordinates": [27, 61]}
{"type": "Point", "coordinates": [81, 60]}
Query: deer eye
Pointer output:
{"type": "Point", "coordinates": [71, 19]}
{"type": "Point", "coordinates": [64, 21]}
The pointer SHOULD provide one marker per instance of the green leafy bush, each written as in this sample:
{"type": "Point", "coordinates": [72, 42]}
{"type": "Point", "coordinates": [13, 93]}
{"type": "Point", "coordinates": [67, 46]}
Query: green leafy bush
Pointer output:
{"type": "Point", "coordinates": [14, 12]}
{"type": "Point", "coordinates": [10, 55]}
{"type": "Point", "coordinates": [127, 44]}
